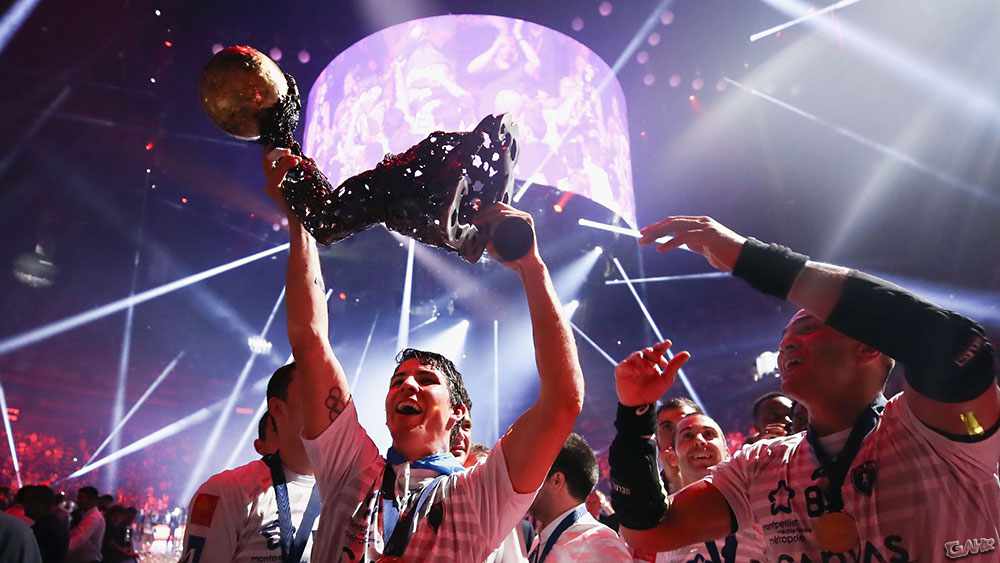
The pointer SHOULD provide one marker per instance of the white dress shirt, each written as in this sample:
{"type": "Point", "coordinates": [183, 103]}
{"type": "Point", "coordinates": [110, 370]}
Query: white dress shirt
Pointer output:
{"type": "Point", "coordinates": [586, 540]}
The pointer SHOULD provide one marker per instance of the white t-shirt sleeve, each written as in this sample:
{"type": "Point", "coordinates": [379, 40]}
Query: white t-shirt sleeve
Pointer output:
{"type": "Point", "coordinates": [981, 455]}
{"type": "Point", "coordinates": [342, 449]}
{"type": "Point", "coordinates": [215, 519]}
{"type": "Point", "coordinates": [733, 479]}
{"type": "Point", "coordinates": [499, 506]}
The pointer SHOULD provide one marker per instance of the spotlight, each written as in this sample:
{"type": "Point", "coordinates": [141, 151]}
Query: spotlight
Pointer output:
{"type": "Point", "coordinates": [304, 56]}
{"type": "Point", "coordinates": [570, 308]}
{"type": "Point", "coordinates": [450, 343]}
{"type": "Point", "coordinates": [275, 54]}
{"type": "Point", "coordinates": [258, 344]}
{"type": "Point", "coordinates": [766, 364]}
{"type": "Point", "coordinates": [35, 269]}
{"type": "Point", "coordinates": [605, 8]}
{"type": "Point", "coordinates": [577, 24]}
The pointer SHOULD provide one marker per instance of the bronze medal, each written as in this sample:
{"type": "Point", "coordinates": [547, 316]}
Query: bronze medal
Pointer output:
{"type": "Point", "coordinates": [836, 532]}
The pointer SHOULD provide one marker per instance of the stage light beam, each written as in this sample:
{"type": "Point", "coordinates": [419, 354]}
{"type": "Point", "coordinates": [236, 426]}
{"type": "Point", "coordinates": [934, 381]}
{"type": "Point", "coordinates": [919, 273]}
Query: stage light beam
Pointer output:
{"type": "Point", "coordinates": [145, 395]}
{"type": "Point", "coordinates": [364, 354]}
{"type": "Point", "coordinates": [659, 335]}
{"type": "Point", "coordinates": [10, 437]}
{"type": "Point", "coordinates": [450, 343]}
{"type": "Point", "coordinates": [572, 278]}
{"type": "Point", "coordinates": [246, 435]}
{"type": "Point", "coordinates": [496, 381]}
{"type": "Point", "coordinates": [594, 345]}
{"type": "Point", "coordinates": [45, 332]}
{"type": "Point", "coordinates": [213, 439]}
{"type": "Point", "coordinates": [403, 335]}
{"type": "Point", "coordinates": [634, 233]}
{"type": "Point", "coordinates": [980, 192]}
{"type": "Point", "coordinates": [818, 13]}
{"type": "Point", "coordinates": [682, 277]}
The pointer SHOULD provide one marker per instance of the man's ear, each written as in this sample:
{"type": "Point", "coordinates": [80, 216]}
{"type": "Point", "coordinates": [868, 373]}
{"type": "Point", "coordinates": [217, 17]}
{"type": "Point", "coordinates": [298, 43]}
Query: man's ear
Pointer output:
{"type": "Point", "coordinates": [277, 408]}
{"type": "Point", "coordinates": [866, 354]}
{"type": "Point", "coordinates": [557, 479]}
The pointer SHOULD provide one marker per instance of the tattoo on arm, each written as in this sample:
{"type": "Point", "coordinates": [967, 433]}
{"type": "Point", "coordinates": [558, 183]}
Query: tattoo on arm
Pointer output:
{"type": "Point", "coordinates": [335, 403]}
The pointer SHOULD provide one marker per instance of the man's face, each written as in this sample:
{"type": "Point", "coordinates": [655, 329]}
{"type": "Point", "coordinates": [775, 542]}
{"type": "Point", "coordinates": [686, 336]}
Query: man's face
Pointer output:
{"type": "Point", "coordinates": [666, 420]}
{"type": "Point", "coordinates": [418, 408]}
{"type": "Point", "coordinates": [816, 362]}
{"type": "Point", "coordinates": [461, 439]}
{"type": "Point", "coordinates": [776, 410]}
{"type": "Point", "coordinates": [85, 500]}
{"type": "Point", "coordinates": [700, 445]}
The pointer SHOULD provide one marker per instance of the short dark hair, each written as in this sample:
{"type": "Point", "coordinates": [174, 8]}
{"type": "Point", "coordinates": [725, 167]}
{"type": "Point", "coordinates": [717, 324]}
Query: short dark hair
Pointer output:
{"type": "Point", "coordinates": [262, 425]}
{"type": "Point", "coordinates": [89, 490]}
{"type": "Point", "coordinates": [39, 494]}
{"type": "Point", "coordinates": [763, 399]}
{"type": "Point", "coordinates": [692, 415]}
{"type": "Point", "coordinates": [578, 464]}
{"type": "Point", "coordinates": [277, 386]}
{"type": "Point", "coordinates": [456, 386]}
{"type": "Point", "coordinates": [678, 403]}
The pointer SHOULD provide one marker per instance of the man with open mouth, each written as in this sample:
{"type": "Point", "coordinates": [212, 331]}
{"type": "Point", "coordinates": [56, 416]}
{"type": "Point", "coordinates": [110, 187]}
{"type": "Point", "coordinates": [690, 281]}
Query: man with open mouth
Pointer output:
{"type": "Point", "coordinates": [418, 501]}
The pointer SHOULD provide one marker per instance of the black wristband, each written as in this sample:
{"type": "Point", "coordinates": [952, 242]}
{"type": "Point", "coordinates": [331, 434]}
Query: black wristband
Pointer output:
{"type": "Point", "coordinates": [635, 421]}
{"type": "Point", "coordinates": [769, 268]}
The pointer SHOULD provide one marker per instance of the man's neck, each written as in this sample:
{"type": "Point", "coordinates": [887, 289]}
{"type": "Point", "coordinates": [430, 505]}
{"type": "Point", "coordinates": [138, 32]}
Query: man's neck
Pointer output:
{"type": "Point", "coordinates": [548, 514]}
{"type": "Point", "coordinates": [295, 459]}
{"type": "Point", "coordinates": [413, 452]}
{"type": "Point", "coordinates": [829, 419]}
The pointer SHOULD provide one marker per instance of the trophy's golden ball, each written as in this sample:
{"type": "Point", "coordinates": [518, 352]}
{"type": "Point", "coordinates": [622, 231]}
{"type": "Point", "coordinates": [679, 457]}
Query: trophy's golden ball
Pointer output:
{"type": "Point", "coordinates": [237, 86]}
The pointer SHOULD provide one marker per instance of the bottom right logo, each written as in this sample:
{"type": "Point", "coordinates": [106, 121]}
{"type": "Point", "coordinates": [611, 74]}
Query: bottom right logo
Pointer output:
{"type": "Point", "coordinates": [957, 549]}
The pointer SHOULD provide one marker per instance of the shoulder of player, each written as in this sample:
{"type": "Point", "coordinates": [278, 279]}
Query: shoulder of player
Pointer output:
{"type": "Point", "coordinates": [770, 448]}
{"type": "Point", "coordinates": [247, 480]}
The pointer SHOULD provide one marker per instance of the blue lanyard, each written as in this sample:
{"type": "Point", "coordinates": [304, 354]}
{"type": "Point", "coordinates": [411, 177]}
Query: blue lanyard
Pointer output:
{"type": "Point", "coordinates": [564, 525]}
{"type": "Point", "coordinates": [292, 548]}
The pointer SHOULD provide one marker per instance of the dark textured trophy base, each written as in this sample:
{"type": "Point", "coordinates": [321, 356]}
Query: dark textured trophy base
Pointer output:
{"type": "Point", "coordinates": [431, 192]}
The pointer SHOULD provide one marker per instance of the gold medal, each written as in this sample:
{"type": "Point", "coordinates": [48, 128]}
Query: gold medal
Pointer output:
{"type": "Point", "coordinates": [836, 532]}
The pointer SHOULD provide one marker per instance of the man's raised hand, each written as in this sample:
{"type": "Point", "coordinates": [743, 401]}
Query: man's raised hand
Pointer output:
{"type": "Point", "coordinates": [644, 376]}
{"type": "Point", "coordinates": [719, 245]}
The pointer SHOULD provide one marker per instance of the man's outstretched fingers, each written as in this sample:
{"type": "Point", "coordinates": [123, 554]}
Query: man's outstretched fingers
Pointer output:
{"type": "Point", "coordinates": [678, 362]}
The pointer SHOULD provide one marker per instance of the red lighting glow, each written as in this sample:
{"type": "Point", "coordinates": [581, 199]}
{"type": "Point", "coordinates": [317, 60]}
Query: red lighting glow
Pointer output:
{"type": "Point", "coordinates": [342, 295]}
{"type": "Point", "coordinates": [184, 200]}
{"type": "Point", "coordinates": [168, 43]}
{"type": "Point", "coordinates": [150, 146]}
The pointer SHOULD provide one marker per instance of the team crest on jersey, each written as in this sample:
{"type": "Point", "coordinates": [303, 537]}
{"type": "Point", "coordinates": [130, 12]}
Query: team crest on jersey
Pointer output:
{"type": "Point", "coordinates": [974, 546]}
{"type": "Point", "coordinates": [781, 498]}
{"type": "Point", "coordinates": [864, 477]}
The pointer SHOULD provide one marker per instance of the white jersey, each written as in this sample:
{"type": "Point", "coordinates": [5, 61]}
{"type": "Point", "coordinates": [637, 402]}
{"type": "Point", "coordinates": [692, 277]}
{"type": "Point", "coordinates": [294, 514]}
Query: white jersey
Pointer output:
{"type": "Point", "coordinates": [465, 519]}
{"type": "Point", "coordinates": [234, 516]}
{"type": "Point", "coordinates": [915, 494]}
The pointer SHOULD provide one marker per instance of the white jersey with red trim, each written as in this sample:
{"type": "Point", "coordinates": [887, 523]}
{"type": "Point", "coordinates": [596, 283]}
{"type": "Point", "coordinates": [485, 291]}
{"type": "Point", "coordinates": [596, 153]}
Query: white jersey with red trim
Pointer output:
{"type": "Point", "coordinates": [234, 516]}
{"type": "Point", "coordinates": [464, 519]}
{"type": "Point", "coordinates": [914, 494]}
